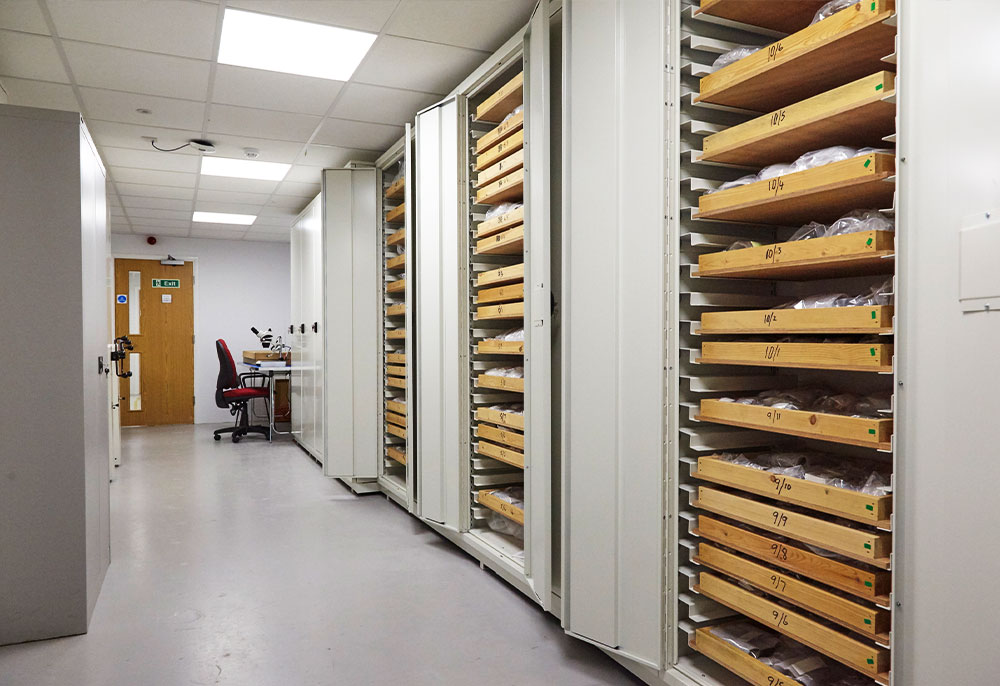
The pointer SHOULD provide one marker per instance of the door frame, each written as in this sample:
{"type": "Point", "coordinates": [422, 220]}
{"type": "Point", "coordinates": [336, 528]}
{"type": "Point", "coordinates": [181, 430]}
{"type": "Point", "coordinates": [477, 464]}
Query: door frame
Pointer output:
{"type": "Point", "coordinates": [194, 295]}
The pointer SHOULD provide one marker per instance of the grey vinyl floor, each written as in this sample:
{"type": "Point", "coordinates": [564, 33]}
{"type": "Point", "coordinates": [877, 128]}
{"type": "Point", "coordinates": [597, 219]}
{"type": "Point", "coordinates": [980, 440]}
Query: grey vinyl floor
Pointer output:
{"type": "Point", "coordinates": [243, 565]}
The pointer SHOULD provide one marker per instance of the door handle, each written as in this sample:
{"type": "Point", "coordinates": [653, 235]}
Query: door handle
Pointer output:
{"type": "Point", "coordinates": [315, 327]}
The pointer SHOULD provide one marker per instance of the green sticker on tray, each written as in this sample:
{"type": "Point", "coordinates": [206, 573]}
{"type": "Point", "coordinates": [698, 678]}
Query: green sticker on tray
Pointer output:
{"type": "Point", "coordinates": [873, 314]}
{"type": "Point", "coordinates": [868, 584]}
{"type": "Point", "coordinates": [868, 621]}
{"type": "Point", "coordinates": [871, 431]}
{"type": "Point", "coordinates": [871, 661]}
{"type": "Point", "coordinates": [868, 162]}
{"type": "Point", "coordinates": [878, 87]}
{"type": "Point", "coordinates": [872, 351]}
{"type": "Point", "coordinates": [870, 508]}
{"type": "Point", "coordinates": [868, 546]}
{"type": "Point", "coordinates": [868, 242]}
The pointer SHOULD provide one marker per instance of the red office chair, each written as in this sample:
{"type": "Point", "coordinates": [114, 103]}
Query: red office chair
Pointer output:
{"type": "Point", "coordinates": [232, 391]}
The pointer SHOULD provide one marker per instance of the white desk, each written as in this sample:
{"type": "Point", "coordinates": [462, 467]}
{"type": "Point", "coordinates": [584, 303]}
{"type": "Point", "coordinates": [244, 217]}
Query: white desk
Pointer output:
{"type": "Point", "coordinates": [271, 372]}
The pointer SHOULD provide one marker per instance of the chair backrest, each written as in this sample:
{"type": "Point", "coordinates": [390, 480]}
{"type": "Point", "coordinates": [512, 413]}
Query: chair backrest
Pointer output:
{"type": "Point", "coordinates": [228, 376]}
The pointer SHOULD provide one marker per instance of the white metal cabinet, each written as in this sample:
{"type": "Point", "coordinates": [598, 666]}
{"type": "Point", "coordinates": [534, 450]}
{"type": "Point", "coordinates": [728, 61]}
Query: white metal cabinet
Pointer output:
{"type": "Point", "coordinates": [306, 396]}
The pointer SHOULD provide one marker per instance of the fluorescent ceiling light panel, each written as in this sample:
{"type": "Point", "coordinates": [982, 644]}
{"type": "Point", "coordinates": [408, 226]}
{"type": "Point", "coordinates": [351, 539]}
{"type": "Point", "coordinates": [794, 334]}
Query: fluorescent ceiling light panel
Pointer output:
{"type": "Point", "coordinates": [224, 218]}
{"type": "Point", "coordinates": [260, 41]}
{"type": "Point", "coordinates": [244, 169]}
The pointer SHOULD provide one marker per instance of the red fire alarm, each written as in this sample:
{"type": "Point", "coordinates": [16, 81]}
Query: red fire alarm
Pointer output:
{"type": "Point", "coordinates": [151, 240]}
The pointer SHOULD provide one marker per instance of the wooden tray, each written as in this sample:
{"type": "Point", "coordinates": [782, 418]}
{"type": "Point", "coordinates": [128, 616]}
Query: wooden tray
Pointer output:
{"type": "Point", "coordinates": [497, 452]}
{"type": "Point", "coordinates": [503, 102]}
{"type": "Point", "coordinates": [495, 277]}
{"type": "Point", "coordinates": [509, 242]}
{"type": "Point", "coordinates": [398, 262]}
{"type": "Point", "coordinates": [736, 661]}
{"type": "Point", "coordinates": [508, 128]}
{"type": "Point", "coordinates": [395, 333]}
{"type": "Point", "coordinates": [872, 547]}
{"type": "Point", "coordinates": [870, 584]}
{"type": "Point", "coordinates": [508, 510]}
{"type": "Point", "coordinates": [501, 168]}
{"type": "Point", "coordinates": [395, 382]}
{"type": "Point", "coordinates": [502, 383]}
{"type": "Point", "coordinates": [820, 194]}
{"type": "Point", "coordinates": [843, 47]}
{"type": "Point", "coordinates": [499, 151]}
{"type": "Point", "coordinates": [396, 454]}
{"type": "Point", "coordinates": [397, 419]}
{"type": "Point", "coordinates": [860, 431]}
{"type": "Point", "coordinates": [868, 319]}
{"type": "Point", "coordinates": [504, 436]}
{"type": "Point", "coordinates": [856, 114]}
{"type": "Point", "coordinates": [395, 215]}
{"type": "Point", "coordinates": [500, 347]}
{"type": "Point", "coordinates": [843, 502]}
{"type": "Point", "coordinates": [856, 357]}
{"type": "Point", "coordinates": [859, 655]}
{"type": "Point", "coordinates": [786, 16]}
{"type": "Point", "coordinates": [500, 294]}
{"type": "Point", "coordinates": [395, 370]}
{"type": "Point", "coordinates": [396, 406]}
{"type": "Point", "coordinates": [395, 358]}
{"type": "Point", "coordinates": [396, 310]}
{"type": "Point", "coordinates": [397, 431]}
{"type": "Point", "coordinates": [395, 190]}
{"type": "Point", "coordinates": [396, 237]}
{"type": "Point", "coordinates": [500, 222]}
{"type": "Point", "coordinates": [852, 254]}
{"type": "Point", "coordinates": [510, 187]}
{"type": "Point", "coordinates": [395, 286]}
{"type": "Point", "coordinates": [514, 421]}
{"type": "Point", "coordinates": [513, 310]}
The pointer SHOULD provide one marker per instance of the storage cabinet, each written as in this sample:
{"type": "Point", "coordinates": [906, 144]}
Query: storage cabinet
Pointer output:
{"type": "Point", "coordinates": [307, 240]}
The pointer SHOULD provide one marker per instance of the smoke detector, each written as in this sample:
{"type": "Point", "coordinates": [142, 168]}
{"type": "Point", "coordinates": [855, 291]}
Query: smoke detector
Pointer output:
{"type": "Point", "coordinates": [202, 146]}
{"type": "Point", "coordinates": [251, 153]}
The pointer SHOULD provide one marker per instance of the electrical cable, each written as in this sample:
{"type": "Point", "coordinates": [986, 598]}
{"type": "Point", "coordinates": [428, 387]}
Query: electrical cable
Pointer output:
{"type": "Point", "coordinates": [180, 147]}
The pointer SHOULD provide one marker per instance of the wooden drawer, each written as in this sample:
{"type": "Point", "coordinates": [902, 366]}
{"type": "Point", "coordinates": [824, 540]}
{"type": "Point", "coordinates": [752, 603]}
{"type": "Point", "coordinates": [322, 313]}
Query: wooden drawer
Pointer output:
{"type": "Point", "coordinates": [514, 421]}
{"type": "Point", "coordinates": [872, 547]}
{"type": "Point", "coordinates": [495, 277]}
{"type": "Point", "coordinates": [861, 431]}
{"type": "Point", "coordinates": [501, 168]}
{"type": "Point", "coordinates": [397, 419]}
{"type": "Point", "coordinates": [395, 370]}
{"type": "Point", "coordinates": [396, 406]}
{"type": "Point", "coordinates": [859, 655]}
{"type": "Point", "coordinates": [513, 310]}
{"type": "Point", "coordinates": [870, 584]}
{"type": "Point", "coordinates": [398, 262]}
{"type": "Point", "coordinates": [503, 102]}
{"type": "Point", "coordinates": [865, 252]}
{"type": "Point", "coordinates": [395, 215]}
{"type": "Point", "coordinates": [395, 237]}
{"type": "Point", "coordinates": [510, 187]}
{"type": "Point", "coordinates": [821, 194]}
{"type": "Point", "coordinates": [856, 114]}
{"type": "Point", "coordinates": [397, 431]}
{"type": "Point", "coordinates": [843, 47]}
{"type": "Point", "coordinates": [501, 383]}
{"type": "Point", "coordinates": [786, 16]}
{"type": "Point", "coordinates": [500, 347]}
{"type": "Point", "coordinates": [395, 190]}
{"type": "Point", "coordinates": [397, 286]}
{"type": "Point", "coordinates": [499, 151]}
{"type": "Point", "coordinates": [500, 294]}
{"type": "Point", "coordinates": [501, 453]}
{"type": "Point", "coordinates": [859, 357]}
{"type": "Point", "coordinates": [509, 242]}
{"type": "Point", "coordinates": [395, 382]}
{"type": "Point", "coordinates": [505, 130]}
{"type": "Point", "coordinates": [865, 619]}
{"type": "Point", "coordinates": [508, 510]}
{"type": "Point", "coordinates": [396, 454]}
{"type": "Point", "coordinates": [504, 436]}
{"type": "Point", "coordinates": [843, 502]}
{"type": "Point", "coordinates": [397, 310]}
{"type": "Point", "coordinates": [394, 334]}
{"type": "Point", "coordinates": [395, 358]}
{"type": "Point", "coordinates": [868, 319]}
{"type": "Point", "coordinates": [500, 222]}
{"type": "Point", "coordinates": [736, 661]}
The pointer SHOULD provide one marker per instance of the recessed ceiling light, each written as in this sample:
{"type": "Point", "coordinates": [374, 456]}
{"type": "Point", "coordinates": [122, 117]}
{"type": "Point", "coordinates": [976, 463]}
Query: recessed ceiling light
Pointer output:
{"type": "Point", "coordinates": [260, 41]}
{"type": "Point", "coordinates": [244, 169]}
{"type": "Point", "coordinates": [224, 218]}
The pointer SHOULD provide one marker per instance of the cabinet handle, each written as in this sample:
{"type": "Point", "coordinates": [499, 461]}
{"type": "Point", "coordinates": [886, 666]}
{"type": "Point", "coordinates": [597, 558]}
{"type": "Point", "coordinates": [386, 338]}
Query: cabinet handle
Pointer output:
{"type": "Point", "coordinates": [302, 328]}
{"type": "Point", "coordinates": [291, 328]}
{"type": "Point", "coordinates": [315, 327]}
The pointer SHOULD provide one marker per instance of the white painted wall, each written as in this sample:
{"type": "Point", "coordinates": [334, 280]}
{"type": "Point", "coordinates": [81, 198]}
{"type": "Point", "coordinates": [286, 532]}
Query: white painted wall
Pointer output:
{"type": "Point", "coordinates": [239, 284]}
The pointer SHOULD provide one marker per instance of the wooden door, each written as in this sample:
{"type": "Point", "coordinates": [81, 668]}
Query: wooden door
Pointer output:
{"type": "Point", "coordinates": [154, 307]}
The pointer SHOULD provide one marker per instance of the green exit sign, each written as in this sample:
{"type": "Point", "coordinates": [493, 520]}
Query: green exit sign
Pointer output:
{"type": "Point", "coordinates": [166, 283]}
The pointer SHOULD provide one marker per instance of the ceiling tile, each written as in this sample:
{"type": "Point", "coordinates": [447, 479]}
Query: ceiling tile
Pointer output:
{"type": "Point", "coordinates": [383, 105]}
{"type": "Point", "coordinates": [232, 197]}
{"type": "Point", "coordinates": [118, 135]}
{"type": "Point", "coordinates": [318, 157]}
{"type": "Point", "coordinates": [269, 237]}
{"type": "Point", "coordinates": [164, 231]}
{"type": "Point", "coordinates": [117, 212]}
{"type": "Point", "coordinates": [228, 207]}
{"type": "Point", "coordinates": [101, 66]}
{"type": "Point", "coordinates": [22, 16]}
{"type": "Point", "coordinates": [30, 57]}
{"type": "Point", "coordinates": [289, 202]}
{"type": "Point", "coordinates": [226, 183]}
{"type": "Point", "coordinates": [157, 203]}
{"type": "Point", "coordinates": [304, 174]}
{"type": "Point", "coordinates": [138, 213]}
{"type": "Point", "coordinates": [148, 224]}
{"type": "Point", "coordinates": [120, 228]}
{"type": "Point", "coordinates": [369, 15]}
{"type": "Point", "coordinates": [348, 133]}
{"type": "Point", "coordinates": [228, 145]}
{"type": "Point", "coordinates": [270, 90]}
{"type": "Point", "coordinates": [150, 159]}
{"type": "Point", "coordinates": [479, 24]}
{"type": "Point", "coordinates": [153, 178]}
{"type": "Point", "coordinates": [299, 190]}
{"type": "Point", "coordinates": [419, 65]}
{"type": "Point", "coordinates": [53, 96]}
{"type": "Point", "coordinates": [245, 121]}
{"type": "Point", "coordinates": [169, 113]}
{"type": "Point", "coordinates": [135, 189]}
{"type": "Point", "coordinates": [218, 231]}
{"type": "Point", "coordinates": [173, 27]}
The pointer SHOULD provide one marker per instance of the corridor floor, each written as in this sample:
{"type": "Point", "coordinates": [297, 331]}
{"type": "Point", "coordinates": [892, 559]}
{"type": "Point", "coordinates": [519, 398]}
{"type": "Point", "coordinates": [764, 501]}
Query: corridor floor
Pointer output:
{"type": "Point", "coordinates": [241, 564]}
